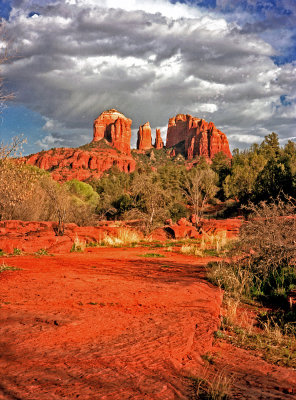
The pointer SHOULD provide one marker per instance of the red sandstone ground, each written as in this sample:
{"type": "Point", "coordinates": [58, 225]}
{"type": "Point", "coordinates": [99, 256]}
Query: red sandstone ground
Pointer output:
{"type": "Point", "coordinates": [110, 324]}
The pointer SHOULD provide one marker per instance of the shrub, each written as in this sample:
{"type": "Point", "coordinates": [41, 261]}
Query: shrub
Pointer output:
{"type": "Point", "coordinates": [268, 244]}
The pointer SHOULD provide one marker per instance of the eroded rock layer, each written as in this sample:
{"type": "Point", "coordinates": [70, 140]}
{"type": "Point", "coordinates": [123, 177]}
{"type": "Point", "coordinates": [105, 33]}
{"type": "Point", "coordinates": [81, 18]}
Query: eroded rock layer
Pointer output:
{"type": "Point", "coordinates": [200, 137]}
{"type": "Point", "coordinates": [66, 163]}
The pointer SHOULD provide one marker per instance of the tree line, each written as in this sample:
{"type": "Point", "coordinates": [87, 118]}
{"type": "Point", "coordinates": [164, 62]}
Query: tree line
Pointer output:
{"type": "Point", "coordinates": [171, 191]}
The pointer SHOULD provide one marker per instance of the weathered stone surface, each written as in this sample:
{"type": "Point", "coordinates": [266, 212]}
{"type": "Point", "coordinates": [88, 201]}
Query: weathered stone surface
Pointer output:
{"type": "Point", "coordinates": [66, 163]}
{"type": "Point", "coordinates": [158, 140]}
{"type": "Point", "coordinates": [200, 137]}
{"type": "Point", "coordinates": [144, 141]}
{"type": "Point", "coordinates": [115, 128]}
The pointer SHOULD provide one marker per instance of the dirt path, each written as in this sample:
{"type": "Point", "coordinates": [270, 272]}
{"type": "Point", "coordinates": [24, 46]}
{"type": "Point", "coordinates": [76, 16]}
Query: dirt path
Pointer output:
{"type": "Point", "coordinates": [107, 324]}
{"type": "Point", "coordinates": [110, 324]}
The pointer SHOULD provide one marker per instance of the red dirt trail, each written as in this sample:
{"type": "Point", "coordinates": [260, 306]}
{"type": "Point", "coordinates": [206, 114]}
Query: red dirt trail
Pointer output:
{"type": "Point", "coordinates": [109, 324]}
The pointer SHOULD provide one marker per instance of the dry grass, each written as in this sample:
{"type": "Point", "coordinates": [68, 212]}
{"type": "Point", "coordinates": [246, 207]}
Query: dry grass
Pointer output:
{"type": "Point", "coordinates": [235, 279]}
{"type": "Point", "coordinates": [78, 245]}
{"type": "Point", "coordinates": [123, 237]}
{"type": "Point", "coordinates": [5, 267]}
{"type": "Point", "coordinates": [210, 245]}
{"type": "Point", "coordinates": [191, 249]}
{"type": "Point", "coordinates": [213, 387]}
{"type": "Point", "coordinates": [269, 340]}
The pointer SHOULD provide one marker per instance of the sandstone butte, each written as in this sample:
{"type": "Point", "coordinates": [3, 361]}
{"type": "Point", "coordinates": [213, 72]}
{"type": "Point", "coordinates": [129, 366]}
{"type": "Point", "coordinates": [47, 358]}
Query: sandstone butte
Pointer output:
{"type": "Point", "coordinates": [110, 146]}
{"type": "Point", "coordinates": [201, 138]}
{"type": "Point", "coordinates": [144, 141]}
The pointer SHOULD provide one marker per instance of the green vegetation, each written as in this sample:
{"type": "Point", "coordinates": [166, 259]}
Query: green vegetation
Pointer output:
{"type": "Point", "coordinates": [152, 255]}
{"type": "Point", "coordinates": [209, 386]}
{"type": "Point", "coordinates": [261, 173]}
{"type": "Point", "coordinates": [262, 273]}
{"type": "Point", "coordinates": [42, 252]}
{"type": "Point", "coordinates": [5, 267]}
{"type": "Point", "coordinates": [149, 195]}
{"type": "Point", "coordinates": [17, 252]}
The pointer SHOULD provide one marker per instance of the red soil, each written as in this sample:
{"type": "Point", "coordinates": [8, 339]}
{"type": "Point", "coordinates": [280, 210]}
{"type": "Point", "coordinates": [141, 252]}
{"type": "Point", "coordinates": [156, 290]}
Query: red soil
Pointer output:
{"type": "Point", "coordinates": [110, 324]}
{"type": "Point", "coordinates": [107, 324]}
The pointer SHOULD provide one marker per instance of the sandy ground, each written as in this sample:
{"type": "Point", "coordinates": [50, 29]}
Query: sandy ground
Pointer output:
{"type": "Point", "coordinates": [111, 324]}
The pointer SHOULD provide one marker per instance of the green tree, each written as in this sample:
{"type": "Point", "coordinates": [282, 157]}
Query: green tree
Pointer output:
{"type": "Point", "coordinates": [200, 187]}
{"type": "Point", "coordinates": [149, 201]}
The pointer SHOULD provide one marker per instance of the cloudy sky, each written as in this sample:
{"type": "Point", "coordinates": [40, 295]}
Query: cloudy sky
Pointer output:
{"type": "Point", "coordinates": [232, 62]}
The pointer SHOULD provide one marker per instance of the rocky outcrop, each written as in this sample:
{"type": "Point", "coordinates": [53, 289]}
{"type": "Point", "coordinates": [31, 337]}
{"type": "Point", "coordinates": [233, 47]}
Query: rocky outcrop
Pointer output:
{"type": "Point", "coordinates": [81, 163]}
{"type": "Point", "coordinates": [110, 147]}
{"type": "Point", "coordinates": [144, 141]}
{"type": "Point", "coordinates": [200, 137]}
{"type": "Point", "coordinates": [115, 128]}
{"type": "Point", "coordinates": [158, 140]}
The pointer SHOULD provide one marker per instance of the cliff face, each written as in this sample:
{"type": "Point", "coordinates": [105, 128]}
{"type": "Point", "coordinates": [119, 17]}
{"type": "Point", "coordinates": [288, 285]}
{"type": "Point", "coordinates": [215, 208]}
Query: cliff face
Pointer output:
{"type": "Point", "coordinates": [115, 128]}
{"type": "Point", "coordinates": [200, 137]}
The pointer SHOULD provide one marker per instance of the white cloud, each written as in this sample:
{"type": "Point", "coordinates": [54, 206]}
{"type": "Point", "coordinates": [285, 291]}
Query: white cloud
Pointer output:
{"type": "Point", "coordinates": [151, 60]}
{"type": "Point", "coordinates": [49, 141]}
{"type": "Point", "coordinates": [208, 107]}
{"type": "Point", "coordinates": [250, 139]}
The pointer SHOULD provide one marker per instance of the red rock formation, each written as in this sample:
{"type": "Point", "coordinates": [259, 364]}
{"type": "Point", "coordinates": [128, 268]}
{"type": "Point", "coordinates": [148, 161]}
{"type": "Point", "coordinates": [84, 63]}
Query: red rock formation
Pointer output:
{"type": "Point", "coordinates": [66, 163]}
{"type": "Point", "coordinates": [114, 127]}
{"type": "Point", "coordinates": [177, 129]}
{"type": "Point", "coordinates": [144, 141]}
{"type": "Point", "coordinates": [200, 137]}
{"type": "Point", "coordinates": [158, 140]}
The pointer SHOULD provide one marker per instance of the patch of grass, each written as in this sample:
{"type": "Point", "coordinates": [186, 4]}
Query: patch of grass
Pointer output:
{"type": "Point", "coordinates": [268, 338]}
{"type": "Point", "coordinates": [236, 280]}
{"type": "Point", "coordinates": [152, 255]}
{"type": "Point", "coordinates": [5, 267]}
{"type": "Point", "coordinates": [17, 252]}
{"type": "Point", "coordinates": [92, 244]}
{"type": "Point", "coordinates": [191, 249]}
{"type": "Point", "coordinates": [212, 387]}
{"type": "Point", "coordinates": [208, 357]}
{"type": "Point", "coordinates": [78, 246]}
{"type": "Point", "coordinates": [41, 252]}
{"type": "Point", "coordinates": [123, 237]}
{"type": "Point", "coordinates": [210, 245]}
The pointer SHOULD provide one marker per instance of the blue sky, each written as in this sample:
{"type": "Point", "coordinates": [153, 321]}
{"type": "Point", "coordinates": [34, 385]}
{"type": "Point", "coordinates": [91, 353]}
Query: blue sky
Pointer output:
{"type": "Point", "coordinates": [232, 62]}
